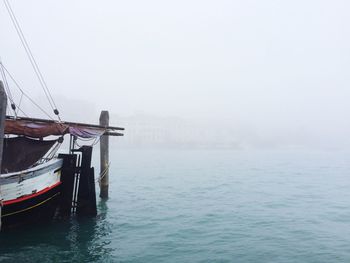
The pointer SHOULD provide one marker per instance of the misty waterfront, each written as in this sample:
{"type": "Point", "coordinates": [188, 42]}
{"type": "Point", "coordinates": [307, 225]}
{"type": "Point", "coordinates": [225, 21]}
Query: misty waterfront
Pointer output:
{"type": "Point", "coordinates": [236, 145]}
{"type": "Point", "coordinates": [206, 206]}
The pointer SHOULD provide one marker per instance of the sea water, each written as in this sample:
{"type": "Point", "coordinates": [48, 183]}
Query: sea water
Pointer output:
{"type": "Point", "coordinates": [206, 206]}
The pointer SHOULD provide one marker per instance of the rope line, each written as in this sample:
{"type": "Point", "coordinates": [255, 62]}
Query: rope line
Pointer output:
{"type": "Point", "coordinates": [31, 58]}
{"type": "Point", "coordinates": [26, 47]}
{"type": "Point", "coordinates": [5, 80]}
{"type": "Point", "coordinates": [25, 94]}
{"type": "Point", "coordinates": [8, 91]}
{"type": "Point", "coordinates": [31, 207]}
{"type": "Point", "coordinates": [103, 173]}
{"type": "Point", "coordinates": [20, 101]}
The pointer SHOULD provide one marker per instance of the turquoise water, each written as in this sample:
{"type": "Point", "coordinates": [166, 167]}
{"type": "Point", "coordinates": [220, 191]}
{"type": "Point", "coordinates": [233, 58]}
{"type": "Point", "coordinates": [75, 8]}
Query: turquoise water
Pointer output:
{"type": "Point", "coordinates": [206, 206]}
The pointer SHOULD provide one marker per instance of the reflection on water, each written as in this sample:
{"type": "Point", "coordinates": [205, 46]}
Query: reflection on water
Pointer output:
{"type": "Point", "coordinates": [74, 240]}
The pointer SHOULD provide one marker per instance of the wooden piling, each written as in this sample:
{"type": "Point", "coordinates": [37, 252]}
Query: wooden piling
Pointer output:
{"type": "Point", "coordinates": [86, 201]}
{"type": "Point", "coordinates": [68, 174]}
{"type": "Point", "coordinates": [3, 105]}
{"type": "Point", "coordinates": [104, 157]}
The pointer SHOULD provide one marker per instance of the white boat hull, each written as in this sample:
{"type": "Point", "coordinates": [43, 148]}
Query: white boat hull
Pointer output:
{"type": "Point", "coordinates": [30, 195]}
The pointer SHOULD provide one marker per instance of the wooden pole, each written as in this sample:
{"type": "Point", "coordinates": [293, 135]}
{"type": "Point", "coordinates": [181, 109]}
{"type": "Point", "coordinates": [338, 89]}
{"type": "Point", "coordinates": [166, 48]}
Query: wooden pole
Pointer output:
{"type": "Point", "coordinates": [104, 157]}
{"type": "Point", "coordinates": [3, 104]}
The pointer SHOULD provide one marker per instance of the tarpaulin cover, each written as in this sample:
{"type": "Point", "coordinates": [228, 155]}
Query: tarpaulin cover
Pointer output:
{"type": "Point", "coordinates": [84, 132]}
{"type": "Point", "coordinates": [20, 153]}
{"type": "Point", "coordinates": [40, 129]}
{"type": "Point", "coordinates": [34, 129]}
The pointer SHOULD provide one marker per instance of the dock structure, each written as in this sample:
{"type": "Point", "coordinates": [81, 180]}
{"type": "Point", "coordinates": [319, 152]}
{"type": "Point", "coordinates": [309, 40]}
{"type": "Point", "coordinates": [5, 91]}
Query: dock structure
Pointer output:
{"type": "Point", "coordinates": [78, 180]}
{"type": "Point", "coordinates": [3, 105]}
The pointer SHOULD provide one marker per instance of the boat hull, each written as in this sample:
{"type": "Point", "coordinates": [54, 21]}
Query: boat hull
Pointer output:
{"type": "Point", "coordinates": [31, 196]}
{"type": "Point", "coordinates": [34, 210]}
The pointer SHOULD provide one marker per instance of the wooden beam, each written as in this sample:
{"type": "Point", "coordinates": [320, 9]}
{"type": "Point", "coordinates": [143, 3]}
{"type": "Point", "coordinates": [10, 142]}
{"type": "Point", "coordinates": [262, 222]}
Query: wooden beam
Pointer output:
{"type": "Point", "coordinates": [113, 134]}
{"type": "Point", "coordinates": [104, 157]}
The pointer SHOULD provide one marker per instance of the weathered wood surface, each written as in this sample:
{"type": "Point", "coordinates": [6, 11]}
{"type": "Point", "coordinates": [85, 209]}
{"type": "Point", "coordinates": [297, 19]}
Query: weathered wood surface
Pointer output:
{"type": "Point", "coordinates": [104, 157]}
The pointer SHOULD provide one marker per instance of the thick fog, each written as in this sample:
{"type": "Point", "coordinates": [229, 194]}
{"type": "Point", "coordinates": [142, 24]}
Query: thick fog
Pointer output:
{"type": "Point", "coordinates": [236, 73]}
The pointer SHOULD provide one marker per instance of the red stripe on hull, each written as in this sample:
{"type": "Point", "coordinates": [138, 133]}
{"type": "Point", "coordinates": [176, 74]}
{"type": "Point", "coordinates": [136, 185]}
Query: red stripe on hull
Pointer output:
{"type": "Point", "coordinates": [20, 199]}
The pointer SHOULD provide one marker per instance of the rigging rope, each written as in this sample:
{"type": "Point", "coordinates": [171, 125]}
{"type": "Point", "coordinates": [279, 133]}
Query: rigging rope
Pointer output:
{"type": "Point", "coordinates": [103, 174]}
{"type": "Point", "coordinates": [94, 141]}
{"type": "Point", "coordinates": [20, 101]}
{"type": "Point", "coordinates": [25, 94]}
{"type": "Point", "coordinates": [8, 91]}
{"type": "Point", "coordinates": [32, 59]}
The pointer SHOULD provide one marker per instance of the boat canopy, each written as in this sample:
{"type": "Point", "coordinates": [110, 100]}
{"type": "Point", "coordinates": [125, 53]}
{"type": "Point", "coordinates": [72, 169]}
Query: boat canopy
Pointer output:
{"type": "Point", "coordinates": [38, 128]}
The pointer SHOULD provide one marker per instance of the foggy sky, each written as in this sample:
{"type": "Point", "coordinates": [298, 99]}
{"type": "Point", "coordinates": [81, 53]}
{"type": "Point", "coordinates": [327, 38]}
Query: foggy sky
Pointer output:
{"type": "Point", "coordinates": [274, 66]}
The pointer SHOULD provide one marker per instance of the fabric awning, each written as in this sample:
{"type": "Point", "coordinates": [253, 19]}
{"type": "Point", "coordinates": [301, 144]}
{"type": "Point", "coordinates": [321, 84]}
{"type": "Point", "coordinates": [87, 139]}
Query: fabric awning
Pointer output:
{"type": "Point", "coordinates": [41, 129]}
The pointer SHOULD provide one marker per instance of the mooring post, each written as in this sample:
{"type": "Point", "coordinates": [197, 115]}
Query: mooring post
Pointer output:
{"type": "Point", "coordinates": [104, 157]}
{"type": "Point", "coordinates": [3, 104]}
{"type": "Point", "coordinates": [86, 201]}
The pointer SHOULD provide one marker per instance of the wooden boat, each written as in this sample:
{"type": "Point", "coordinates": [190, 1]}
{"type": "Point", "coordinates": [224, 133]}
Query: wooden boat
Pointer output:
{"type": "Point", "coordinates": [32, 174]}
{"type": "Point", "coordinates": [30, 180]}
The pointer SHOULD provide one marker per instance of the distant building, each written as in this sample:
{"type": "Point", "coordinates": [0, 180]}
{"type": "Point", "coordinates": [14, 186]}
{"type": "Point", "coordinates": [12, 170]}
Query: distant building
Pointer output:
{"type": "Point", "coordinates": [152, 131]}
